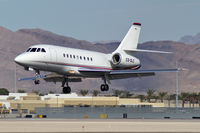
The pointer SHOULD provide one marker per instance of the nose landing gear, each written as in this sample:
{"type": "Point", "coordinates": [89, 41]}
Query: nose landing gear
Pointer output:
{"type": "Point", "coordinates": [37, 82]}
{"type": "Point", "coordinates": [37, 75]}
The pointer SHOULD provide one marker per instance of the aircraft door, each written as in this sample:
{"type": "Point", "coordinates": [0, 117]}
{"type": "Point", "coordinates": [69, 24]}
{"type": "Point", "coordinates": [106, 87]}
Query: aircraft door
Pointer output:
{"type": "Point", "coordinates": [53, 55]}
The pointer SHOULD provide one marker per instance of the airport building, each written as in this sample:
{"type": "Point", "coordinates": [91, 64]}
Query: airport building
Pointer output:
{"type": "Point", "coordinates": [27, 102]}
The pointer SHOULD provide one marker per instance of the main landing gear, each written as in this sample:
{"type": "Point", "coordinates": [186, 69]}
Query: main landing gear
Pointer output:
{"type": "Point", "coordinates": [37, 74]}
{"type": "Point", "coordinates": [67, 89]}
{"type": "Point", "coordinates": [105, 86]}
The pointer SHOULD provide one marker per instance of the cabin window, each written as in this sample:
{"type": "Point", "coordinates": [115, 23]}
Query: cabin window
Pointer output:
{"type": "Point", "coordinates": [67, 56]}
{"type": "Point", "coordinates": [81, 57]}
{"type": "Point", "coordinates": [84, 57]}
{"type": "Point", "coordinates": [63, 55]}
{"type": "Point", "coordinates": [33, 49]}
{"type": "Point", "coordinates": [38, 50]}
{"type": "Point", "coordinates": [43, 50]}
{"type": "Point", "coordinates": [88, 58]}
{"type": "Point", "coordinates": [91, 58]}
{"type": "Point", "coordinates": [77, 56]}
{"type": "Point", "coordinates": [70, 56]}
{"type": "Point", "coordinates": [74, 56]}
{"type": "Point", "coordinates": [28, 49]}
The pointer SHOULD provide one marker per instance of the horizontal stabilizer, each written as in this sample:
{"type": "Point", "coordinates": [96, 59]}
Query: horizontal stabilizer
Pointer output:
{"type": "Point", "coordinates": [149, 51]}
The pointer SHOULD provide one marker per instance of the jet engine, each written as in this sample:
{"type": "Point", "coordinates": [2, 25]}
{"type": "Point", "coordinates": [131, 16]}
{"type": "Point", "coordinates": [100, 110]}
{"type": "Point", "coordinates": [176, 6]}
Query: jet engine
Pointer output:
{"type": "Point", "coordinates": [124, 61]}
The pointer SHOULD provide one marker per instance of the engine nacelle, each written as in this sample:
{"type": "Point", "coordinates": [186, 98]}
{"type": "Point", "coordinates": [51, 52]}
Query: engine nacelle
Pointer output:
{"type": "Point", "coordinates": [124, 61]}
{"type": "Point", "coordinates": [28, 69]}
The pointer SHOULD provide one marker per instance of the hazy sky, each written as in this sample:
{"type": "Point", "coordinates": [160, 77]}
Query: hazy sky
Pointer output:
{"type": "Point", "coordinates": [95, 20]}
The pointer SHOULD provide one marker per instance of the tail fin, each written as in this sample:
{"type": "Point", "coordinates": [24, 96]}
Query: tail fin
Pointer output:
{"type": "Point", "coordinates": [130, 41]}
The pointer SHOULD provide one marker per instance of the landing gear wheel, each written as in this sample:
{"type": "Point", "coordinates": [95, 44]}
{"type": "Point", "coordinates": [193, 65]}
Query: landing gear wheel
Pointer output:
{"type": "Point", "coordinates": [37, 82]}
{"type": "Point", "coordinates": [66, 90]}
{"type": "Point", "coordinates": [104, 87]}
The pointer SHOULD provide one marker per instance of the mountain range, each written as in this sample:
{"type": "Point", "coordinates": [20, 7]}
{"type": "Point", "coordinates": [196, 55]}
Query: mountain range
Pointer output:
{"type": "Point", "coordinates": [13, 43]}
{"type": "Point", "coordinates": [188, 39]}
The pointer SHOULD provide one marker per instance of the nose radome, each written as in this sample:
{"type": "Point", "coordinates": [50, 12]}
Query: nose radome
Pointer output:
{"type": "Point", "coordinates": [16, 59]}
{"type": "Point", "coordinates": [19, 59]}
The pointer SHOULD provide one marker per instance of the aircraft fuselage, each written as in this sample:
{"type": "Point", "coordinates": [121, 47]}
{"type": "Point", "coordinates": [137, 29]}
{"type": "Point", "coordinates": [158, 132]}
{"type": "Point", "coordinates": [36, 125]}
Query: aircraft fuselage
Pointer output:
{"type": "Point", "coordinates": [67, 61]}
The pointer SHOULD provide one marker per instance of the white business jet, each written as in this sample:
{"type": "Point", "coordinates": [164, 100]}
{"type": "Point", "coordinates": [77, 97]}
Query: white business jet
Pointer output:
{"type": "Point", "coordinates": [71, 65]}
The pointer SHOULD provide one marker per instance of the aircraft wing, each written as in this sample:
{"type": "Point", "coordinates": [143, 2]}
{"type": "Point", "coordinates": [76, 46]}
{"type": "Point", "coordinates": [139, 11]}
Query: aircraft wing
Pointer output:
{"type": "Point", "coordinates": [111, 74]}
{"type": "Point", "coordinates": [39, 77]}
{"type": "Point", "coordinates": [54, 77]}
{"type": "Point", "coordinates": [120, 74]}
{"type": "Point", "coordinates": [51, 77]}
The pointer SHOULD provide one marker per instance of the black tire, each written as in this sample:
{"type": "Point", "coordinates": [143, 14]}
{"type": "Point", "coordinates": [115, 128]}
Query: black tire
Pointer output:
{"type": "Point", "coordinates": [106, 87]}
{"type": "Point", "coordinates": [37, 82]}
{"type": "Point", "coordinates": [102, 87]}
{"type": "Point", "coordinates": [66, 90]}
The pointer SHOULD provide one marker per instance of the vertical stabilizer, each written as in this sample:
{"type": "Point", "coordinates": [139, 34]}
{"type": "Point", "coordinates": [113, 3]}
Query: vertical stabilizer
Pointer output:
{"type": "Point", "coordinates": [130, 41]}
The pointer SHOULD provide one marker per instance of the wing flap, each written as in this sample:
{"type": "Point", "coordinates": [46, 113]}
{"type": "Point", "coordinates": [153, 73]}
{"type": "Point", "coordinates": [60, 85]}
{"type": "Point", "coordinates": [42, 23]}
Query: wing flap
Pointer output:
{"type": "Point", "coordinates": [54, 77]}
{"type": "Point", "coordinates": [60, 79]}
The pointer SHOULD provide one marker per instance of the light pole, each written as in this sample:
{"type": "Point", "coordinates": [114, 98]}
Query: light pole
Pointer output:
{"type": "Point", "coordinates": [15, 79]}
{"type": "Point", "coordinates": [57, 95]}
{"type": "Point", "coordinates": [177, 85]}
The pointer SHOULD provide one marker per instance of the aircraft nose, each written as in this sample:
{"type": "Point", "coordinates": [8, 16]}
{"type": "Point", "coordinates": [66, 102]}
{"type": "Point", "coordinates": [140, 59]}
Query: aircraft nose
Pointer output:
{"type": "Point", "coordinates": [19, 59]}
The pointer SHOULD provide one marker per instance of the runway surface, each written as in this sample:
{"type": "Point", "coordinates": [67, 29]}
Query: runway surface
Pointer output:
{"type": "Point", "coordinates": [98, 125]}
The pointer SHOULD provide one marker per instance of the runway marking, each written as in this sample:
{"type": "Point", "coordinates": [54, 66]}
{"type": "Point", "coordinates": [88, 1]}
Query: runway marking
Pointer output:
{"type": "Point", "coordinates": [94, 125]}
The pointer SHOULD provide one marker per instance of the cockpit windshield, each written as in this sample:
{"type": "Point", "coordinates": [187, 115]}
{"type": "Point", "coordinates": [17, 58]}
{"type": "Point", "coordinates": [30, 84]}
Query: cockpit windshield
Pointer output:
{"type": "Point", "coordinates": [38, 50]}
{"type": "Point", "coordinates": [35, 50]}
{"type": "Point", "coordinates": [28, 49]}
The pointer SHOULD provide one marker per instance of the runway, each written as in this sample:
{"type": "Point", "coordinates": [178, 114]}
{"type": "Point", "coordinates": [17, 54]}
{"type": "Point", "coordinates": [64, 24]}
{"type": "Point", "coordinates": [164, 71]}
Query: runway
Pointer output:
{"type": "Point", "coordinates": [98, 125]}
